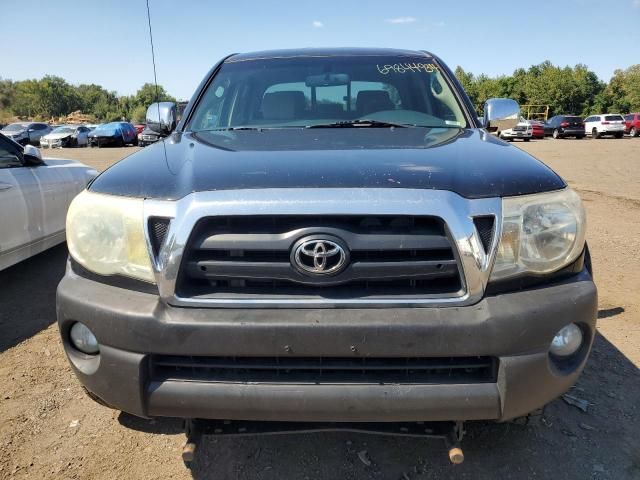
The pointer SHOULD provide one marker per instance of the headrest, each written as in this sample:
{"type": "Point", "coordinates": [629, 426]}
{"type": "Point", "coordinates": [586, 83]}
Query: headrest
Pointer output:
{"type": "Point", "coordinates": [286, 105]}
{"type": "Point", "coordinates": [369, 101]}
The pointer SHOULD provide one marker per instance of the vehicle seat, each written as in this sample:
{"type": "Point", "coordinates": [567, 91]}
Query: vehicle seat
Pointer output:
{"type": "Point", "coordinates": [369, 101]}
{"type": "Point", "coordinates": [287, 105]}
{"type": "Point", "coordinates": [330, 110]}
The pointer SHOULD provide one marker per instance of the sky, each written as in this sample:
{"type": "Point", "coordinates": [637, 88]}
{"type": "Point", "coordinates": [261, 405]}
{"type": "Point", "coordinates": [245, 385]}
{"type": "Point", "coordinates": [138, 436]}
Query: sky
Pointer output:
{"type": "Point", "coordinates": [107, 42]}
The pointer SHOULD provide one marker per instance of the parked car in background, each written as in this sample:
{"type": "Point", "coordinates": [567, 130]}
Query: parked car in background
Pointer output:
{"type": "Point", "coordinates": [147, 137]}
{"type": "Point", "coordinates": [562, 126]}
{"type": "Point", "coordinates": [139, 128]}
{"type": "Point", "coordinates": [537, 129]}
{"type": "Point", "coordinates": [523, 130]}
{"type": "Point", "coordinates": [605, 124]}
{"type": "Point", "coordinates": [632, 124]}
{"type": "Point", "coordinates": [113, 133]}
{"type": "Point", "coordinates": [26, 132]}
{"type": "Point", "coordinates": [35, 195]}
{"type": "Point", "coordinates": [66, 136]}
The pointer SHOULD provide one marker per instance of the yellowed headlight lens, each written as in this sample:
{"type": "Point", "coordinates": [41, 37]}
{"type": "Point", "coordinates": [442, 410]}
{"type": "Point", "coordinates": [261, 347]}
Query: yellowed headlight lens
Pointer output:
{"type": "Point", "coordinates": [105, 234]}
{"type": "Point", "coordinates": [541, 233]}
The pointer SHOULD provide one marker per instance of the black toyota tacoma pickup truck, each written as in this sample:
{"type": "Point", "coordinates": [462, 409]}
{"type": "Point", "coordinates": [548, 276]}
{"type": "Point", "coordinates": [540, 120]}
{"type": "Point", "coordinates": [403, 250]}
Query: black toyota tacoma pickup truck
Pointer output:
{"type": "Point", "coordinates": [328, 235]}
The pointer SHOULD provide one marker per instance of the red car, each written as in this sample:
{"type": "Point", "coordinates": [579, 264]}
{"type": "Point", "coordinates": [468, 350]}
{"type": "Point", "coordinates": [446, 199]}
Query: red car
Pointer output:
{"type": "Point", "coordinates": [537, 129]}
{"type": "Point", "coordinates": [632, 124]}
{"type": "Point", "coordinates": [139, 127]}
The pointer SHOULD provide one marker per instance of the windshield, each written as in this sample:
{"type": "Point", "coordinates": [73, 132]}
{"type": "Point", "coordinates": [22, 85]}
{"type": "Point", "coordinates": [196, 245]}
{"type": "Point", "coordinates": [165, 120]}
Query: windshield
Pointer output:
{"type": "Point", "coordinates": [63, 130]}
{"type": "Point", "coordinates": [308, 91]}
{"type": "Point", "coordinates": [14, 127]}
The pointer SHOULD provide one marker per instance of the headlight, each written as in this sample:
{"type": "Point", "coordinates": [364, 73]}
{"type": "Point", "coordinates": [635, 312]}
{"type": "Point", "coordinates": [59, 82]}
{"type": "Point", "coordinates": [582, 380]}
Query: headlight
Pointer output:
{"type": "Point", "coordinates": [105, 234]}
{"type": "Point", "coordinates": [540, 233]}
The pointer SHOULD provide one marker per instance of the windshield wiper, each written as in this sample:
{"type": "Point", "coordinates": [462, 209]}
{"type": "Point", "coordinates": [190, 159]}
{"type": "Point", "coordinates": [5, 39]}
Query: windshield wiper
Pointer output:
{"type": "Point", "coordinates": [361, 123]}
{"type": "Point", "coordinates": [235, 129]}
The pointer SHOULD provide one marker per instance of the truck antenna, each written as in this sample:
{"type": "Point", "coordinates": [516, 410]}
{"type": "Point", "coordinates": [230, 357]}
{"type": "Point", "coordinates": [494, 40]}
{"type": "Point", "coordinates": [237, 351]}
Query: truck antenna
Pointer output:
{"type": "Point", "coordinates": [155, 77]}
{"type": "Point", "coordinates": [153, 57]}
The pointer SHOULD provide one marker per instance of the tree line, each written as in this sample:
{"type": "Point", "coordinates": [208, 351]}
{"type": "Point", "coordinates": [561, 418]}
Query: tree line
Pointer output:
{"type": "Point", "coordinates": [566, 90]}
{"type": "Point", "coordinates": [53, 97]}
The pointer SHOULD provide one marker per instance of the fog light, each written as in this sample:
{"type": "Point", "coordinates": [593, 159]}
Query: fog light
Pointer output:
{"type": "Point", "coordinates": [567, 341]}
{"type": "Point", "coordinates": [83, 339]}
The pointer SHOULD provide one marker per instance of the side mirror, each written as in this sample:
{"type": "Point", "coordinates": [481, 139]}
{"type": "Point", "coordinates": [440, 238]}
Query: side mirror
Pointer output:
{"type": "Point", "coordinates": [500, 114]}
{"type": "Point", "coordinates": [32, 156]}
{"type": "Point", "coordinates": [161, 117]}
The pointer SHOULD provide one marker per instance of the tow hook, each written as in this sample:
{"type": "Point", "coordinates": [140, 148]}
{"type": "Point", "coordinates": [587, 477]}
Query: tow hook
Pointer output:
{"type": "Point", "coordinates": [451, 432]}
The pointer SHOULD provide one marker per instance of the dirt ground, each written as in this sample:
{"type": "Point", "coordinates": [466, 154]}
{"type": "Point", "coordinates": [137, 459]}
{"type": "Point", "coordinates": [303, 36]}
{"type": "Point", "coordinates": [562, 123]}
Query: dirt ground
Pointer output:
{"type": "Point", "coordinates": [49, 429]}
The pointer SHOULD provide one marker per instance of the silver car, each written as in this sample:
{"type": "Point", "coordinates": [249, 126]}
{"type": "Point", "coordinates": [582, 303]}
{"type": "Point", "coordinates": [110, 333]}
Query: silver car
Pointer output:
{"type": "Point", "coordinates": [26, 133]}
{"type": "Point", "coordinates": [66, 136]}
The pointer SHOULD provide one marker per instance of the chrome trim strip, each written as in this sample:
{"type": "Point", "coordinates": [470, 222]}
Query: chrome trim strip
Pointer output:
{"type": "Point", "coordinates": [456, 211]}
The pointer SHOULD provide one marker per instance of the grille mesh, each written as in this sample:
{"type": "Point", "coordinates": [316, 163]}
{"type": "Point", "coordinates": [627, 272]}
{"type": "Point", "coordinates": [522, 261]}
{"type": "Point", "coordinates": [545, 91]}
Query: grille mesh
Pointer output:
{"type": "Point", "coordinates": [158, 228]}
{"type": "Point", "coordinates": [353, 370]}
{"type": "Point", "coordinates": [485, 227]}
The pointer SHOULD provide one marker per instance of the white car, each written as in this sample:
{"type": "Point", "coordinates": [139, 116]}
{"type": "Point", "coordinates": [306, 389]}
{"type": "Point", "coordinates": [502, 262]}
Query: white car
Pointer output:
{"type": "Point", "coordinates": [34, 197]}
{"type": "Point", "coordinates": [604, 124]}
{"type": "Point", "coordinates": [66, 136]}
{"type": "Point", "coordinates": [523, 131]}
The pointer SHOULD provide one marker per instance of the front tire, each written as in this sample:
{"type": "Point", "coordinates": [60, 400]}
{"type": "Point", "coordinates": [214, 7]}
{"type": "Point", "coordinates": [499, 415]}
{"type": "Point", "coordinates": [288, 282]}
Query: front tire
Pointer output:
{"type": "Point", "coordinates": [633, 132]}
{"type": "Point", "coordinates": [595, 133]}
{"type": "Point", "coordinates": [556, 134]}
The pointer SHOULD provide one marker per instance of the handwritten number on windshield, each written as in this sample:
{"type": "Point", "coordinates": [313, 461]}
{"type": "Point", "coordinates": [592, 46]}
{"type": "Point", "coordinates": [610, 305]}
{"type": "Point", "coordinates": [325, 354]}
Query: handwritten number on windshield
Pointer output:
{"type": "Point", "coordinates": [407, 67]}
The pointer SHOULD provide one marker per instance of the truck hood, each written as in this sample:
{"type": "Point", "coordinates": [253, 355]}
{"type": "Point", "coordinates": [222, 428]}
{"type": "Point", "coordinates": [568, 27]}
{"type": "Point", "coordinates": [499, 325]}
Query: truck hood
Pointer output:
{"type": "Point", "coordinates": [469, 162]}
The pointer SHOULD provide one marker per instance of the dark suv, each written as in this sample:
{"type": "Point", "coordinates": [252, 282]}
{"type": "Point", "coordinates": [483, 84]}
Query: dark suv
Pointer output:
{"type": "Point", "coordinates": [328, 236]}
{"type": "Point", "coordinates": [632, 124]}
{"type": "Point", "coordinates": [562, 126]}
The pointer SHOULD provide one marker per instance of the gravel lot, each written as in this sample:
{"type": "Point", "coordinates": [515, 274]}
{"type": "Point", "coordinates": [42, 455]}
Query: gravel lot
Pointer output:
{"type": "Point", "coordinates": [49, 429]}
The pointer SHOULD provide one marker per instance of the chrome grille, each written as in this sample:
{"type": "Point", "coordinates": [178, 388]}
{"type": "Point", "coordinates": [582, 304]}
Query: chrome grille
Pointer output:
{"type": "Point", "coordinates": [391, 256]}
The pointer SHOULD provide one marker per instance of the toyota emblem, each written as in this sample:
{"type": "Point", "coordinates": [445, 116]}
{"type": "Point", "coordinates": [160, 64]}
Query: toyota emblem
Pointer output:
{"type": "Point", "coordinates": [319, 256]}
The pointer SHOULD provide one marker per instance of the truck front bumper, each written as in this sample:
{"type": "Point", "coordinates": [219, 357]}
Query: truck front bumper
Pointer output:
{"type": "Point", "coordinates": [515, 328]}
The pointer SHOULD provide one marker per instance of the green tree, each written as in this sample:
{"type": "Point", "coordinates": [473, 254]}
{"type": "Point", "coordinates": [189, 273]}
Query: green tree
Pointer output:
{"type": "Point", "coordinates": [139, 114]}
{"type": "Point", "coordinates": [623, 91]}
{"type": "Point", "coordinates": [574, 90]}
{"type": "Point", "coordinates": [97, 101]}
{"type": "Point", "coordinates": [146, 95]}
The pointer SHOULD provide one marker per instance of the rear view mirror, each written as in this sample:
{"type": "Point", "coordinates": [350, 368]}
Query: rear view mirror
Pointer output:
{"type": "Point", "coordinates": [161, 117]}
{"type": "Point", "coordinates": [500, 114]}
{"type": "Point", "coordinates": [327, 80]}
